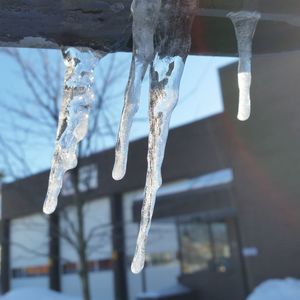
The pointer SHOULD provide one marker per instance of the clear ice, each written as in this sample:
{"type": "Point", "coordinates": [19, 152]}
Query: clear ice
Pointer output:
{"type": "Point", "coordinates": [145, 14]}
{"type": "Point", "coordinates": [73, 120]}
{"type": "Point", "coordinates": [172, 39]}
{"type": "Point", "coordinates": [245, 25]}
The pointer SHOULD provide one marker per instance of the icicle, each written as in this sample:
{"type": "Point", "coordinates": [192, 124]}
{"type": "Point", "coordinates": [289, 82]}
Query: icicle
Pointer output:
{"type": "Point", "coordinates": [245, 25]}
{"type": "Point", "coordinates": [173, 45]}
{"type": "Point", "coordinates": [145, 14]}
{"type": "Point", "coordinates": [73, 120]}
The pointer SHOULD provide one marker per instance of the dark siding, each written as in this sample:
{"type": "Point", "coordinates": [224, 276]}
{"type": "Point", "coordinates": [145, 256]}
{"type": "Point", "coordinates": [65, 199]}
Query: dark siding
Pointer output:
{"type": "Point", "coordinates": [265, 156]}
{"type": "Point", "coordinates": [192, 150]}
{"type": "Point", "coordinates": [212, 203]}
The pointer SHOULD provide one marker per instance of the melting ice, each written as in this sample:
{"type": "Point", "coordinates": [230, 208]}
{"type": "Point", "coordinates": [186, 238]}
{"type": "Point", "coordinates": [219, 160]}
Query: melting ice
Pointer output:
{"type": "Point", "coordinates": [172, 40]}
{"type": "Point", "coordinates": [244, 24]}
{"type": "Point", "coordinates": [161, 38]}
{"type": "Point", "coordinates": [73, 120]}
{"type": "Point", "coordinates": [145, 14]}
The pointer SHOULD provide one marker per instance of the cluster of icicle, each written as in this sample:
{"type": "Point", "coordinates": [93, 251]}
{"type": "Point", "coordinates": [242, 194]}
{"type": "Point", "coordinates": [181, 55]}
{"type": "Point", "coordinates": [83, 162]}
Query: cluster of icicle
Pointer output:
{"type": "Point", "coordinates": [73, 120]}
{"type": "Point", "coordinates": [161, 43]}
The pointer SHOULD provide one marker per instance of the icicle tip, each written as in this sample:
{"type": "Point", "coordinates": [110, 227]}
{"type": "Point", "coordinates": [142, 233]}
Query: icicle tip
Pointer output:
{"type": "Point", "coordinates": [244, 113]}
{"type": "Point", "coordinates": [117, 174]}
{"type": "Point", "coordinates": [242, 118]}
{"type": "Point", "coordinates": [49, 207]}
{"type": "Point", "coordinates": [137, 264]}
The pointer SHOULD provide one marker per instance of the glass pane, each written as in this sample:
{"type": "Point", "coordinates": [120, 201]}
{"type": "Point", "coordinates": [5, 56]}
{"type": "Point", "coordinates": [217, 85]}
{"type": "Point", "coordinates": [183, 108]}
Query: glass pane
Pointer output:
{"type": "Point", "coordinates": [88, 178]}
{"type": "Point", "coordinates": [67, 187]}
{"type": "Point", "coordinates": [195, 247]}
{"type": "Point", "coordinates": [221, 246]}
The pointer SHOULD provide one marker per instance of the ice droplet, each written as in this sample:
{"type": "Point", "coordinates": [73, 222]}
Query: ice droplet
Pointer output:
{"type": "Point", "coordinates": [245, 25]}
{"type": "Point", "coordinates": [73, 120]}
{"type": "Point", "coordinates": [172, 47]}
{"type": "Point", "coordinates": [145, 14]}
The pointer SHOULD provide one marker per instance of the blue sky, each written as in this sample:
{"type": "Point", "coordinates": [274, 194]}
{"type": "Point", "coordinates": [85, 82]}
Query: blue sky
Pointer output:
{"type": "Point", "coordinates": [200, 96]}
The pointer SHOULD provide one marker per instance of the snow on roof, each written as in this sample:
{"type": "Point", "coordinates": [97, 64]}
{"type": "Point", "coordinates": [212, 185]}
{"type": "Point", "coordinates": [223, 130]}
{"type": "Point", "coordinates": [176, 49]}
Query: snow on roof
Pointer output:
{"type": "Point", "coordinates": [275, 289]}
{"type": "Point", "coordinates": [219, 177]}
{"type": "Point", "coordinates": [208, 180]}
{"type": "Point", "coordinates": [35, 294]}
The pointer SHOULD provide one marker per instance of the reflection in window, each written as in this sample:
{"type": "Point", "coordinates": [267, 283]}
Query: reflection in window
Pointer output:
{"type": "Point", "coordinates": [67, 187]}
{"type": "Point", "coordinates": [204, 246]}
{"type": "Point", "coordinates": [196, 249]}
{"type": "Point", "coordinates": [88, 180]}
{"type": "Point", "coordinates": [221, 246]}
{"type": "Point", "coordinates": [161, 258]}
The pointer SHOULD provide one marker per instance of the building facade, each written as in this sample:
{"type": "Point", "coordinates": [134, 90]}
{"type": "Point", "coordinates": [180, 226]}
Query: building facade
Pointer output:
{"type": "Point", "coordinates": [225, 220]}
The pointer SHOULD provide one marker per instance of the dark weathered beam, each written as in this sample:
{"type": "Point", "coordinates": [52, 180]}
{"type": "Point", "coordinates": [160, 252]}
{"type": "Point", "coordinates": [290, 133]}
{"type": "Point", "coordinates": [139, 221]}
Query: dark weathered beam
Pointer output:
{"type": "Point", "coordinates": [107, 25]}
{"type": "Point", "coordinates": [55, 23]}
{"type": "Point", "coordinates": [213, 33]}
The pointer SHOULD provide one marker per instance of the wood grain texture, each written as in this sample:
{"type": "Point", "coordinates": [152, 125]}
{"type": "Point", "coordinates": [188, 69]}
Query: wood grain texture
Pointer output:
{"type": "Point", "coordinates": [106, 25]}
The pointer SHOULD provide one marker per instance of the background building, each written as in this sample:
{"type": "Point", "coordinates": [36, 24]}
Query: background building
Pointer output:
{"type": "Point", "coordinates": [226, 219]}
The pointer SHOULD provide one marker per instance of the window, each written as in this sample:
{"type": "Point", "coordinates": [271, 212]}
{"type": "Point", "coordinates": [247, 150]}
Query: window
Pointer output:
{"type": "Point", "coordinates": [88, 180]}
{"type": "Point", "coordinates": [204, 246]}
{"type": "Point", "coordinates": [221, 246]}
{"type": "Point", "coordinates": [161, 258]}
{"type": "Point", "coordinates": [67, 187]}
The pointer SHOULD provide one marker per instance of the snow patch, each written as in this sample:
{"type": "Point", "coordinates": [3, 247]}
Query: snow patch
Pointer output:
{"type": "Point", "coordinates": [35, 294]}
{"type": "Point", "coordinates": [276, 289]}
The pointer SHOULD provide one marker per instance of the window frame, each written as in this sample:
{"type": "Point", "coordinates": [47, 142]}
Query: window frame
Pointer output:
{"type": "Point", "coordinates": [209, 223]}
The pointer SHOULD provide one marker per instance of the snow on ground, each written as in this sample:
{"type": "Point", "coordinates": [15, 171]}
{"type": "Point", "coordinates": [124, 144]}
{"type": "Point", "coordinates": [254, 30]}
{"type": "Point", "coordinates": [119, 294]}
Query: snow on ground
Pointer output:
{"type": "Point", "coordinates": [35, 294]}
{"type": "Point", "coordinates": [275, 289]}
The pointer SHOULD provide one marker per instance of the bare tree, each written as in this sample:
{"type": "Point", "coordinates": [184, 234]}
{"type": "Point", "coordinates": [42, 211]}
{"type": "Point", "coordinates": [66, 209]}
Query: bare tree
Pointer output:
{"type": "Point", "coordinates": [31, 122]}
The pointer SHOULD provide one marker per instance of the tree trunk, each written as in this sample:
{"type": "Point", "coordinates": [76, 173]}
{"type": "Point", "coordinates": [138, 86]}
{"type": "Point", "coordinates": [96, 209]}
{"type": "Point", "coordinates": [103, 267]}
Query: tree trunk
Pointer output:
{"type": "Point", "coordinates": [82, 246]}
{"type": "Point", "coordinates": [84, 276]}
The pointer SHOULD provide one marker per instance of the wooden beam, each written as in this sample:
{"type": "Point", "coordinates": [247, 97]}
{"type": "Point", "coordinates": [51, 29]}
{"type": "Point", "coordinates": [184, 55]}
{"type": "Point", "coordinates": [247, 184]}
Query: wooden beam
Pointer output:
{"type": "Point", "coordinates": [56, 23]}
{"type": "Point", "coordinates": [107, 25]}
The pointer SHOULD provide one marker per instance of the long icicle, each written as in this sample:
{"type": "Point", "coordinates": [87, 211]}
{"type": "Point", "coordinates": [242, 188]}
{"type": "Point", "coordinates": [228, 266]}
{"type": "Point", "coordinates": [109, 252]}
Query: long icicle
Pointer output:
{"type": "Point", "coordinates": [73, 120]}
{"type": "Point", "coordinates": [145, 14]}
{"type": "Point", "coordinates": [245, 25]}
{"type": "Point", "coordinates": [173, 45]}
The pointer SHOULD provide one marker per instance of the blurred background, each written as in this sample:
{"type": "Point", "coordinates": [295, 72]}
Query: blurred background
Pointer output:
{"type": "Point", "coordinates": [226, 218]}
